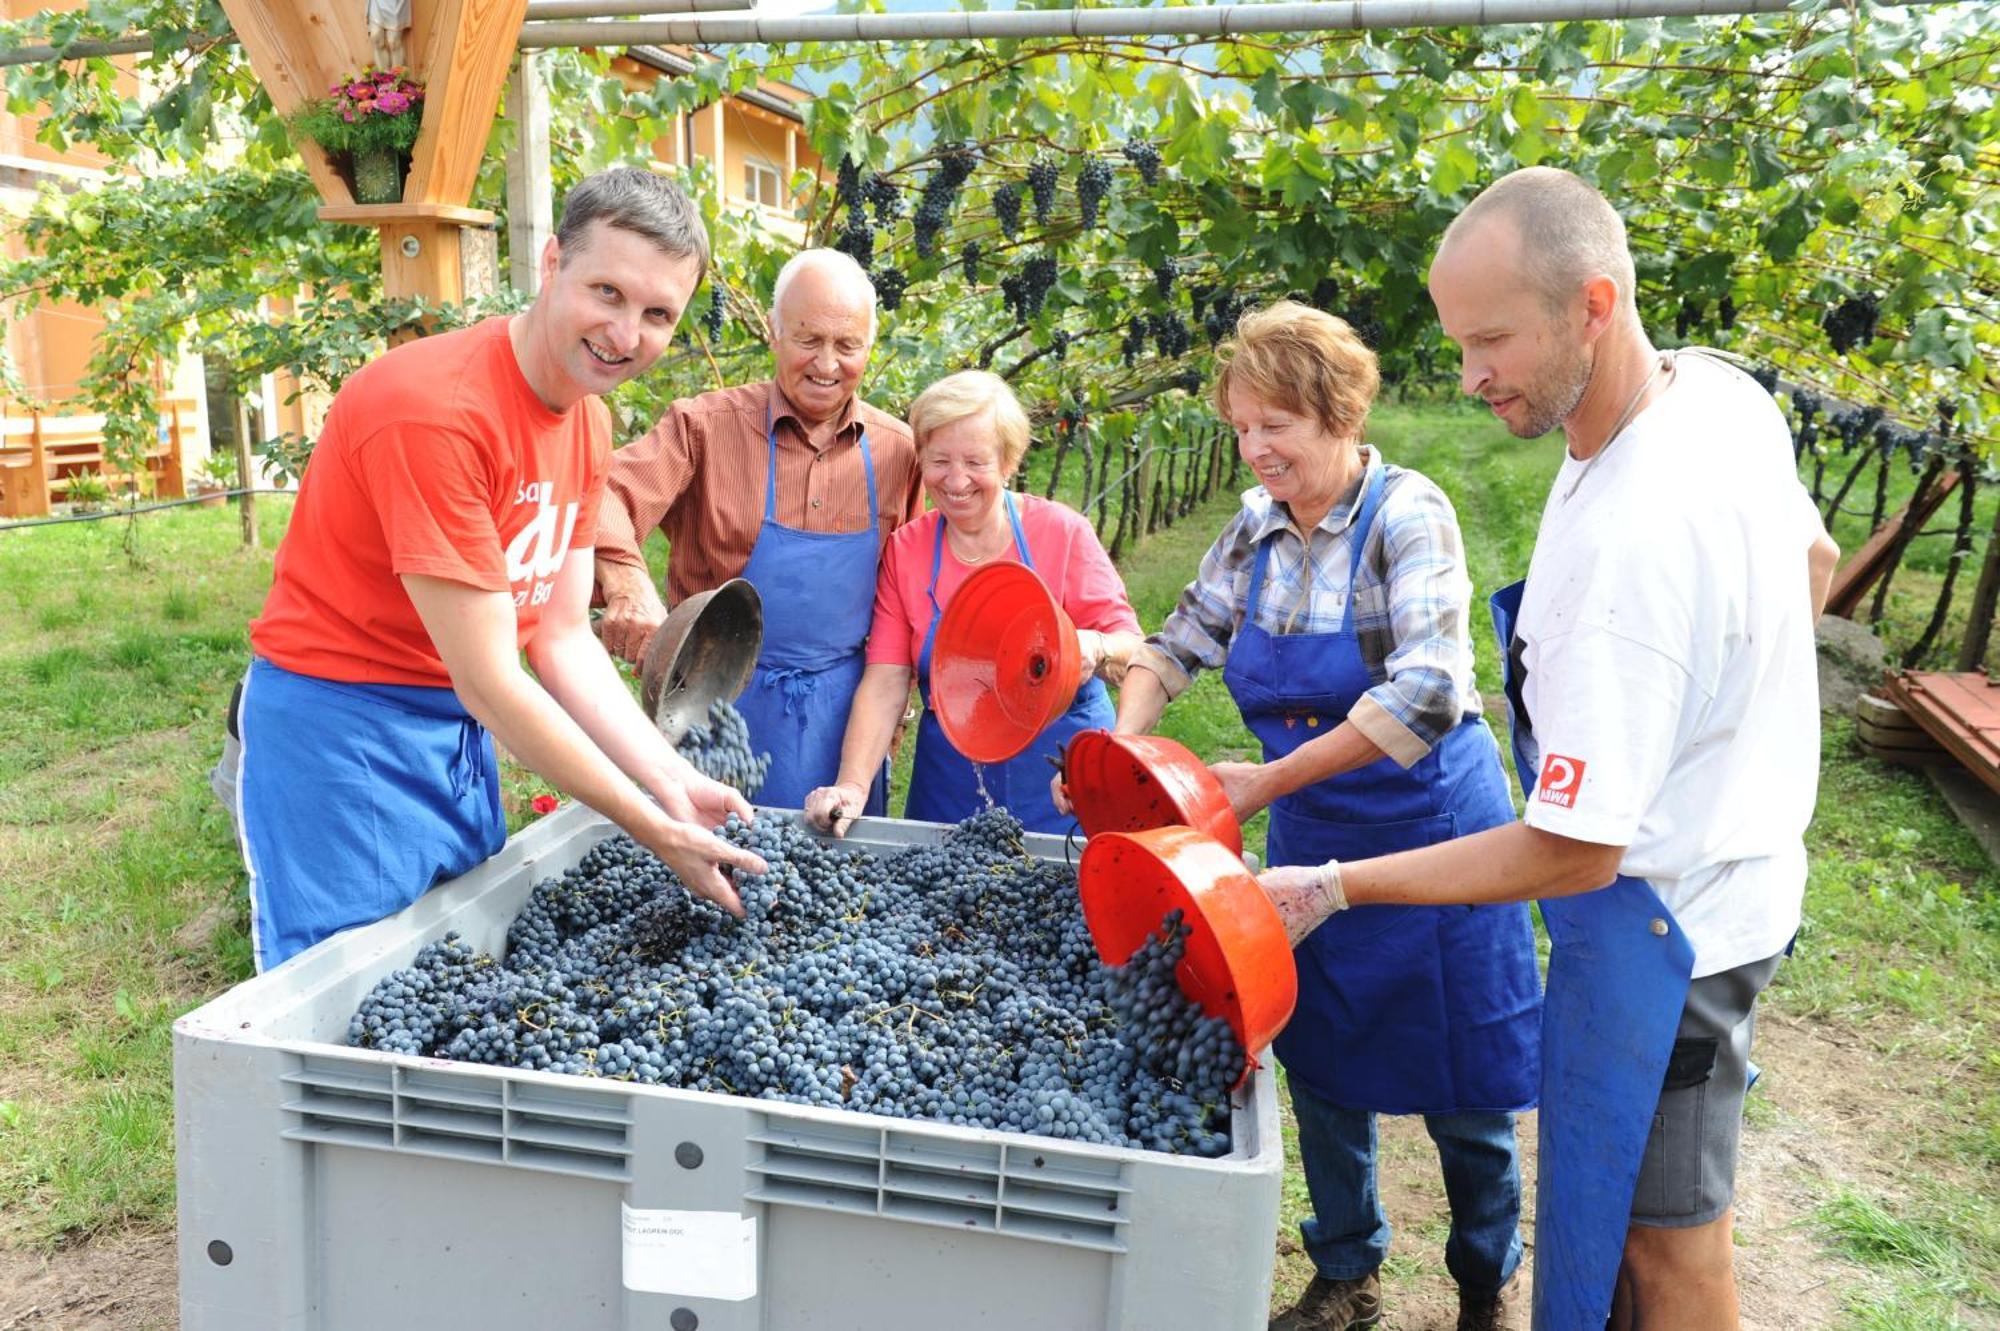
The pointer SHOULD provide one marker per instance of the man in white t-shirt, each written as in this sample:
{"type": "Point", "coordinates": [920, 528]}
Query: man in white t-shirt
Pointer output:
{"type": "Point", "coordinates": [1661, 667]}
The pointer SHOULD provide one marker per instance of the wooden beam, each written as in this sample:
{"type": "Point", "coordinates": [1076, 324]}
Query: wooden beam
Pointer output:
{"type": "Point", "coordinates": [1858, 572]}
{"type": "Point", "coordinates": [391, 214]}
{"type": "Point", "coordinates": [721, 155]}
{"type": "Point", "coordinates": [298, 50]}
{"type": "Point", "coordinates": [467, 50]}
{"type": "Point", "coordinates": [420, 259]}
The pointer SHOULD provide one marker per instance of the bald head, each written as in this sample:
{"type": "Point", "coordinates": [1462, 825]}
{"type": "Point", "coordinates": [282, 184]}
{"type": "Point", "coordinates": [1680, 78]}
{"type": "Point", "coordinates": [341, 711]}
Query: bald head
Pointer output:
{"type": "Point", "coordinates": [822, 329]}
{"type": "Point", "coordinates": [826, 280]}
{"type": "Point", "coordinates": [1559, 231]}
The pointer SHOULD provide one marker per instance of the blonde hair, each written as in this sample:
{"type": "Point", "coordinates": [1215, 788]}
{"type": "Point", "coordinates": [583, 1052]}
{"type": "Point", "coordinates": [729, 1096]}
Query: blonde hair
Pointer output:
{"type": "Point", "coordinates": [1300, 360]}
{"type": "Point", "coordinates": [969, 393]}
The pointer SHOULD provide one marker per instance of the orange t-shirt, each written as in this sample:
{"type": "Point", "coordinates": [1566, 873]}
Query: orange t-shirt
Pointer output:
{"type": "Point", "coordinates": [437, 459]}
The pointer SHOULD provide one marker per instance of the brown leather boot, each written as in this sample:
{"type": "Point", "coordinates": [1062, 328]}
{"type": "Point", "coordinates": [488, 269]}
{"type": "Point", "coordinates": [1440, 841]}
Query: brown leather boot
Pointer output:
{"type": "Point", "coordinates": [1334, 1305]}
{"type": "Point", "coordinates": [1485, 1312]}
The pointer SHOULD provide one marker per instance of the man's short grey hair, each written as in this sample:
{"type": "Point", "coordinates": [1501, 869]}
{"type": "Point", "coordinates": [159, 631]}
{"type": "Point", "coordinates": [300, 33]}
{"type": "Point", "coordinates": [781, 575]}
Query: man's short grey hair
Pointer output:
{"type": "Point", "coordinates": [835, 262]}
{"type": "Point", "coordinates": [643, 202]}
{"type": "Point", "coordinates": [1569, 232]}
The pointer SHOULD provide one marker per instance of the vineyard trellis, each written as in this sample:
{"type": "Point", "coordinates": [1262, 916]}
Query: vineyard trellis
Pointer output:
{"type": "Point", "coordinates": [1087, 215]}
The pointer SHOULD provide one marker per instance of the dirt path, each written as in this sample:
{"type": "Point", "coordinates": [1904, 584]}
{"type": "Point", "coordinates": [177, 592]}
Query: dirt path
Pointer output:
{"type": "Point", "coordinates": [128, 1282]}
{"type": "Point", "coordinates": [1837, 1114]}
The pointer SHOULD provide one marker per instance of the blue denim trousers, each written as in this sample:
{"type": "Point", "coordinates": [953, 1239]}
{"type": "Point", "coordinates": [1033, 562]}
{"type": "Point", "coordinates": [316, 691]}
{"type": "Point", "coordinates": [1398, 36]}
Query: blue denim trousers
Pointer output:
{"type": "Point", "coordinates": [1347, 1236]}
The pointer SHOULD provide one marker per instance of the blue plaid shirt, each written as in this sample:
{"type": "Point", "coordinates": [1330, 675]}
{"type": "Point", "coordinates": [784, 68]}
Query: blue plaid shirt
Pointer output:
{"type": "Point", "coordinates": [1410, 615]}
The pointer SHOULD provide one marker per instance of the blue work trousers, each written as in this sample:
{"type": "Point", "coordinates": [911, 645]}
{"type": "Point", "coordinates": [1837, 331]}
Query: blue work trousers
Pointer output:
{"type": "Point", "coordinates": [1347, 1236]}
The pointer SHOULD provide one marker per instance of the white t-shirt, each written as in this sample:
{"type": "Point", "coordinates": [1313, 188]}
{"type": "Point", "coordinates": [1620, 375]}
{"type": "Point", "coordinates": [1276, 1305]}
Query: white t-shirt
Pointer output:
{"type": "Point", "coordinates": [1667, 635]}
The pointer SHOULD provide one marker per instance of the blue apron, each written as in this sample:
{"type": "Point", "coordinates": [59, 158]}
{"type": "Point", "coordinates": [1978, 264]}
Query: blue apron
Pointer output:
{"type": "Point", "coordinates": [1618, 979]}
{"type": "Point", "coordinates": [818, 590]}
{"type": "Point", "coordinates": [943, 785]}
{"type": "Point", "coordinates": [1402, 1009]}
{"type": "Point", "coordinates": [353, 800]}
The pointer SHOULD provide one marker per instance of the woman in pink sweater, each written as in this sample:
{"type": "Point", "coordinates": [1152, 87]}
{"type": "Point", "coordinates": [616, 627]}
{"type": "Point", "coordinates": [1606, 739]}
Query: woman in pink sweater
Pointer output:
{"type": "Point", "coordinates": [971, 435]}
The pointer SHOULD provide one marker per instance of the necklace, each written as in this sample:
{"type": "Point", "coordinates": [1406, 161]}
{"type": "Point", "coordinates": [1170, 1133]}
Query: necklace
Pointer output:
{"type": "Point", "coordinates": [1665, 363]}
{"type": "Point", "coordinates": [951, 539]}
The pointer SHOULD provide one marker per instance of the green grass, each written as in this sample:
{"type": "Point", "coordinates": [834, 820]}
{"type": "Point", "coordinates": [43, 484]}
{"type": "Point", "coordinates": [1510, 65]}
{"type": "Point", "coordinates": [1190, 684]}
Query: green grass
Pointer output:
{"type": "Point", "coordinates": [121, 901]}
{"type": "Point", "coordinates": [1937, 1257]}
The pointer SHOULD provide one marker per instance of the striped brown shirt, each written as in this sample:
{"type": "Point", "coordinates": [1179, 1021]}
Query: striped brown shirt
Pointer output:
{"type": "Point", "coordinates": [699, 476]}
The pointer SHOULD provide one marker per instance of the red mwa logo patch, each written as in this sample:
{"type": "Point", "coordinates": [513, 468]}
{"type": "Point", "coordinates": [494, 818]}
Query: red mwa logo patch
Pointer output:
{"type": "Point", "coordinates": [1561, 777]}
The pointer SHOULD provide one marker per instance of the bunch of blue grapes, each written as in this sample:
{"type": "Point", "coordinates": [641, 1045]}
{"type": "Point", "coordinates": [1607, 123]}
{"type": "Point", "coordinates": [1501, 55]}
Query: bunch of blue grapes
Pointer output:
{"type": "Point", "coordinates": [1805, 404]}
{"type": "Point", "coordinates": [1852, 322]}
{"type": "Point", "coordinates": [1134, 343]}
{"type": "Point", "coordinates": [1093, 184]}
{"type": "Point", "coordinates": [890, 284]}
{"type": "Point", "coordinates": [953, 982]}
{"type": "Point", "coordinates": [1044, 174]}
{"type": "Point", "coordinates": [1007, 207]}
{"type": "Point", "coordinates": [857, 240]}
{"type": "Point", "coordinates": [884, 199]}
{"type": "Point", "coordinates": [1146, 157]}
{"type": "Point", "coordinates": [1225, 307]}
{"type": "Point", "coordinates": [940, 196]}
{"type": "Point", "coordinates": [720, 749]}
{"type": "Point", "coordinates": [712, 318]}
{"type": "Point", "coordinates": [1027, 291]}
{"type": "Point", "coordinates": [1170, 335]}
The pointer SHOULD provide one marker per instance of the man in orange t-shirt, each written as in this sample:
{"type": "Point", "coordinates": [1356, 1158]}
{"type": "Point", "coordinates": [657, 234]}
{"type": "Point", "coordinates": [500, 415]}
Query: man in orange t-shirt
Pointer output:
{"type": "Point", "coordinates": [443, 530]}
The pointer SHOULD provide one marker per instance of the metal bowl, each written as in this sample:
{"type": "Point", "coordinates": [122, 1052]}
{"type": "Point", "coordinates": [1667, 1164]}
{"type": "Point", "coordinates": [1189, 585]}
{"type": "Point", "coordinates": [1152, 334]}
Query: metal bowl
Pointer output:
{"type": "Point", "coordinates": [703, 653]}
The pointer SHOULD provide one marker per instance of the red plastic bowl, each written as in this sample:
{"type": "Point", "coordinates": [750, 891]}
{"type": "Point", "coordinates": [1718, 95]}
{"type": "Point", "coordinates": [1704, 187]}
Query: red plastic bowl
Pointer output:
{"type": "Point", "coordinates": [1129, 783]}
{"type": "Point", "coordinates": [1238, 964]}
{"type": "Point", "coordinates": [1005, 664]}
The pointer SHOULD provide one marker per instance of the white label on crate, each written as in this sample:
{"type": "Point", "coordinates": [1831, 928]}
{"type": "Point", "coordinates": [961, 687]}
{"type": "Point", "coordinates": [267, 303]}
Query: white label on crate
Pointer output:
{"type": "Point", "coordinates": [696, 1254]}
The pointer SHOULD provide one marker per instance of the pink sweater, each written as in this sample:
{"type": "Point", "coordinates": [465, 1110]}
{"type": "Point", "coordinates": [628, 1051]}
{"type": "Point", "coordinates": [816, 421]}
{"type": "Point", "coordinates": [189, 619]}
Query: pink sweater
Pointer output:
{"type": "Point", "coordinates": [1067, 556]}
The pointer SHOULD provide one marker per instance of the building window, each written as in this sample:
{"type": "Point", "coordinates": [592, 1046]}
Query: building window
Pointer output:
{"type": "Point", "coordinates": [761, 183]}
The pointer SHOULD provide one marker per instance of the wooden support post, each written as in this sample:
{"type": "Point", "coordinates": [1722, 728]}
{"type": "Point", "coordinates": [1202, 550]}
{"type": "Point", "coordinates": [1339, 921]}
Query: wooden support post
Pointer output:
{"type": "Point", "coordinates": [530, 196]}
{"type": "Point", "coordinates": [38, 452]}
{"type": "Point", "coordinates": [721, 156]}
{"type": "Point", "coordinates": [460, 50]}
{"type": "Point", "coordinates": [420, 259]}
{"type": "Point", "coordinates": [246, 475]}
{"type": "Point", "coordinates": [1979, 622]}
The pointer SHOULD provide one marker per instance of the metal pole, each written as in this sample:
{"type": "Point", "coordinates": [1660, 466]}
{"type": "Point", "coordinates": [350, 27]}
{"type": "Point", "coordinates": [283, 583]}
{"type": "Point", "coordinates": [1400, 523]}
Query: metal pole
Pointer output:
{"type": "Point", "coordinates": [1191, 21]}
{"type": "Point", "coordinates": [136, 43]}
{"type": "Point", "coordinates": [1203, 21]}
{"type": "Point", "coordinates": [571, 9]}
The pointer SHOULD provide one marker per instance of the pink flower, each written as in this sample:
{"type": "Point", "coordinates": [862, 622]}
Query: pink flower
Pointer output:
{"type": "Point", "coordinates": [545, 803]}
{"type": "Point", "coordinates": [392, 103]}
{"type": "Point", "coordinates": [347, 114]}
{"type": "Point", "coordinates": [360, 90]}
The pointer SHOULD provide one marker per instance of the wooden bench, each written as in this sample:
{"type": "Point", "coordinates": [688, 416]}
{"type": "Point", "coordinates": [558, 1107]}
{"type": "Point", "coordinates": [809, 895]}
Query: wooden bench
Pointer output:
{"type": "Point", "coordinates": [42, 454]}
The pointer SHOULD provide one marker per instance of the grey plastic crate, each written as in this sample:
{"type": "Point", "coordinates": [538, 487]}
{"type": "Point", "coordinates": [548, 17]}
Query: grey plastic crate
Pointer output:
{"type": "Point", "coordinates": [337, 1189]}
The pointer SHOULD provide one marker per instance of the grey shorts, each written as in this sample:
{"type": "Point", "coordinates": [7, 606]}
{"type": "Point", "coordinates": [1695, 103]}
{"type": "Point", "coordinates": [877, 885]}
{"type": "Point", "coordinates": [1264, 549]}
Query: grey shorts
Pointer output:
{"type": "Point", "coordinates": [1688, 1176]}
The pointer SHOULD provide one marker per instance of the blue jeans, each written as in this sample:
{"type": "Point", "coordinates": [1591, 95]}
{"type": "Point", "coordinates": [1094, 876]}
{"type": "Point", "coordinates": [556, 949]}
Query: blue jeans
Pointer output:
{"type": "Point", "coordinates": [1347, 1236]}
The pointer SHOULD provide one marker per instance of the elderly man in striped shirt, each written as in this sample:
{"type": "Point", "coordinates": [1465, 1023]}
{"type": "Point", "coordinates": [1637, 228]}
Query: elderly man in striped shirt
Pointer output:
{"type": "Point", "coordinates": [793, 483]}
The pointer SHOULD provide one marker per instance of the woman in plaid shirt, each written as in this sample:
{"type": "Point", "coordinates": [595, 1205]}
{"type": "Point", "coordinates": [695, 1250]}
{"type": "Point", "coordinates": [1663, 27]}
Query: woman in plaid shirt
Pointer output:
{"type": "Point", "coordinates": [1335, 603]}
